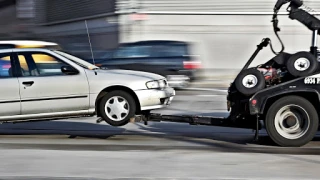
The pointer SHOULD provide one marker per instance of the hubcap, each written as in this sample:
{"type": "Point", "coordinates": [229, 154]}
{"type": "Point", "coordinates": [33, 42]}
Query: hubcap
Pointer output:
{"type": "Point", "coordinates": [117, 108]}
{"type": "Point", "coordinates": [250, 81]}
{"type": "Point", "coordinates": [302, 64]}
{"type": "Point", "coordinates": [292, 122]}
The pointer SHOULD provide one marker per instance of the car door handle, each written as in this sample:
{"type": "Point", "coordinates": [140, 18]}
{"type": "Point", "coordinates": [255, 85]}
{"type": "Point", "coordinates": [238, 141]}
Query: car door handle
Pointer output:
{"type": "Point", "coordinates": [28, 83]}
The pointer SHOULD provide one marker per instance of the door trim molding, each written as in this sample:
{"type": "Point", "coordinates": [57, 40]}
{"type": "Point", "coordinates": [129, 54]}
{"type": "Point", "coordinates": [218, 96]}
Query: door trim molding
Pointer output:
{"type": "Point", "coordinates": [44, 99]}
{"type": "Point", "coordinates": [54, 98]}
{"type": "Point", "coordinates": [14, 101]}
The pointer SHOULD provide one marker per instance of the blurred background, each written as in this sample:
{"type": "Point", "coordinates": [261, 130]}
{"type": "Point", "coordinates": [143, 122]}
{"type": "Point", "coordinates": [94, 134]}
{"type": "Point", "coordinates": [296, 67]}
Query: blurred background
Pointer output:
{"type": "Point", "coordinates": [204, 41]}
{"type": "Point", "coordinates": [207, 41]}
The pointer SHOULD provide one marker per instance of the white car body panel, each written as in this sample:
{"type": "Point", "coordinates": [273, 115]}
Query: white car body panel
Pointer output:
{"type": "Point", "coordinates": [69, 95]}
{"type": "Point", "coordinates": [10, 97]}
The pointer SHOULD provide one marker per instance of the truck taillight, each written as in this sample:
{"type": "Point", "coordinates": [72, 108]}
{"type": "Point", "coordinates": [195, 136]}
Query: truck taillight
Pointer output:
{"type": "Point", "coordinates": [191, 64]}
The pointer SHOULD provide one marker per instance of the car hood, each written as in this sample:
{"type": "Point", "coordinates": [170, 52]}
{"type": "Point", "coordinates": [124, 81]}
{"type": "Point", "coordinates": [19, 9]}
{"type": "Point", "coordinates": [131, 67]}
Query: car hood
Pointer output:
{"type": "Point", "coordinates": [144, 75]}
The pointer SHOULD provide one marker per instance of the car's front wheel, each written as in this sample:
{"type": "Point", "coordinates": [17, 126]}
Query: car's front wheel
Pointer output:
{"type": "Point", "coordinates": [117, 107]}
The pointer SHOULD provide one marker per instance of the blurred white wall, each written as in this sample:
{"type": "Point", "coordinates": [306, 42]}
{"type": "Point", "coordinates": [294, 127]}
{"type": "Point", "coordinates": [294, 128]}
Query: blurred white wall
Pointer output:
{"type": "Point", "coordinates": [222, 41]}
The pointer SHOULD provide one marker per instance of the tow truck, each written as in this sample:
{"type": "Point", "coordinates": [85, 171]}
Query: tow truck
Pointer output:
{"type": "Point", "coordinates": [283, 94]}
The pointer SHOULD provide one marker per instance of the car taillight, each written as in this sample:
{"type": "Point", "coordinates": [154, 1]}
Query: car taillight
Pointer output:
{"type": "Point", "coordinates": [191, 64]}
{"type": "Point", "coordinates": [6, 66]}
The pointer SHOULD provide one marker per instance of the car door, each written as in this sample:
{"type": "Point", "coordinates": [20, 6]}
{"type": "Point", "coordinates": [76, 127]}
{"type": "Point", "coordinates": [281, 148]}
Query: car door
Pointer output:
{"type": "Point", "coordinates": [9, 94]}
{"type": "Point", "coordinates": [45, 88]}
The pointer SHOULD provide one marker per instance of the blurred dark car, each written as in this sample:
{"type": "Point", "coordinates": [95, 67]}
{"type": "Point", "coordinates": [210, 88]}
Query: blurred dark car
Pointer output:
{"type": "Point", "coordinates": [171, 59]}
{"type": "Point", "coordinates": [5, 65]}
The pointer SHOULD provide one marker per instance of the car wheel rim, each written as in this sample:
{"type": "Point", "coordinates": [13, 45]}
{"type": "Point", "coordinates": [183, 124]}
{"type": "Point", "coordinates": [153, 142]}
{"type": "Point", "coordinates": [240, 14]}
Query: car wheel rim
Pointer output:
{"type": "Point", "coordinates": [250, 81]}
{"type": "Point", "coordinates": [117, 108]}
{"type": "Point", "coordinates": [292, 122]}
{"type": "Point", "coordinates": [302, 64]}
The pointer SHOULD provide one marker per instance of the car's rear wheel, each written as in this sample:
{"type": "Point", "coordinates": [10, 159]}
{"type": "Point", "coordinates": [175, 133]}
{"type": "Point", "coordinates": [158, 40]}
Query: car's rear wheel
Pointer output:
{"type": "Point", "coordinates": [117, 107]}
{"type": "Point", "coordinates": [292, 121]}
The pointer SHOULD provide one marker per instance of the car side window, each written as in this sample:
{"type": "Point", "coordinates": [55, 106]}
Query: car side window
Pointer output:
{"type": "Point", "coordinates": [169, 50]}
{"type": "Point", "coordinates": [24, 66]}
{"type": "Point", "coordinates": [132, 52]}
{"type": "Point", "coordinates": [40, 64]}
{"type": "Point", "coordinates": [5, 65]}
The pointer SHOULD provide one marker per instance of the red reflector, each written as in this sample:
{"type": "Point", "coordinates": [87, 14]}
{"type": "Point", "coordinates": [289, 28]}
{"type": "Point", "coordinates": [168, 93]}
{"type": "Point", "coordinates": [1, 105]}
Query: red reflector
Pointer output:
{"type": "Point", "coordinates": [254, 102]}
{"type": "Point", "coordinates": [191, 64]}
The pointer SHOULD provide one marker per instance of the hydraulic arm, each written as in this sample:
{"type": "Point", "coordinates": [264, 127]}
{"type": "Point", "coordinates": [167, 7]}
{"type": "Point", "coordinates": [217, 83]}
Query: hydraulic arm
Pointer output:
{"type": "Point", "coordinates": [301, 15]}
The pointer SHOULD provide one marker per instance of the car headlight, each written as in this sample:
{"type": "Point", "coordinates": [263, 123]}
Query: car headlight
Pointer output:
{"type": "Point", "coordinates": [162, 83]}
{"type": "Point", "coordinates": [158, 84]}
{"type": "Point", "coordinates": [153, 85]}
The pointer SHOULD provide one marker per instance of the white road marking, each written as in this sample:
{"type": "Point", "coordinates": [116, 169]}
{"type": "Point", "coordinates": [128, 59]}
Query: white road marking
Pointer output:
{"type": "Point", "coordinates": [204, 95]}
{"type": "Point", "coordinates": [206, 89]}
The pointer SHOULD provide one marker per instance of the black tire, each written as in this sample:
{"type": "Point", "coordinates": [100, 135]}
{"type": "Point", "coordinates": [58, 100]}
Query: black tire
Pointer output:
{"type": "Point", "coordinates": [305, 57]}
{"type": "Point", "coordinates": [260, 84]}
{"type": "Point", "coordinates": [123, 118]}
{"type": "Point", "coordinates": [282, 138]}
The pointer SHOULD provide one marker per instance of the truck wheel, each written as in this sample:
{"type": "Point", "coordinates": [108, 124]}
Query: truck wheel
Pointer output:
{"type": "Point", "coordinates": [250, 81]}
{"type": "Point", "coordinates": [292, 121]}
{"type": "Point", "coordinates": [117, 107]}
{"type": "Point", "coordinates": [302, 64]}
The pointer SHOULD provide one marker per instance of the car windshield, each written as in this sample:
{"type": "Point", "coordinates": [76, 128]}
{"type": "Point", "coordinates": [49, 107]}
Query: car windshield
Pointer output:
{"type": "Point", "coordinates": [77, 60]}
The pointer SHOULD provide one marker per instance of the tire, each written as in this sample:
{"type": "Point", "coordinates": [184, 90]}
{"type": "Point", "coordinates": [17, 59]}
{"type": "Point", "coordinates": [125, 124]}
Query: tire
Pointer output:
{"type": "Point", "coordinates": [278, 127]}
{"type": "Point", "coordinates": [248, 76]}
{"type": "Point", "coordinates": [125, 108]}
{"type": "Point", "coordinates": [302, 64]}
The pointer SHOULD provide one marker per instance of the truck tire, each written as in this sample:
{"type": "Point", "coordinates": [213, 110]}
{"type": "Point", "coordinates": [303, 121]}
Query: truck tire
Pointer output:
{"type": "Point", "coordinates": [302, 64]}
{"type": "Point", "coordinates": [250, 81]}
{"type": "Point", "coordinates": [117, 107]}
{"type": "Point", "coordinates": [292, 121]}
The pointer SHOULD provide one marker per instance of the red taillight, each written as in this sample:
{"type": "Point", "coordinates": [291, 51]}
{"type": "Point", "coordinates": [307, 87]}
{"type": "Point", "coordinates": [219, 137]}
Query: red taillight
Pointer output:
{"type": "Point", "coordinates": [254, 102]}
{"type": "Point", "coordinates": [191, 64]}
{"type": "Point", "coordinates": [6, 66]}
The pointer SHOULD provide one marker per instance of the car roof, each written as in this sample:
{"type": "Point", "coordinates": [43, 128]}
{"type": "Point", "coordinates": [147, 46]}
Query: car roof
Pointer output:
{"type": "Point", "coordinates": [24, 50]}
{"type": "Point", "coordinates": [153, 42]}
{"type": "Point", "coordinates": [28, 42]}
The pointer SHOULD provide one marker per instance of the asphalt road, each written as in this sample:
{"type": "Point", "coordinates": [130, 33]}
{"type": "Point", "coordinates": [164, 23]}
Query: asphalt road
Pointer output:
{"type": "Point", "coordinates": [82, 149]}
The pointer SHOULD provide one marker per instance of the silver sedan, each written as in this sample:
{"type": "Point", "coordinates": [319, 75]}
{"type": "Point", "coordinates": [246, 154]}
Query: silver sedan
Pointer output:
{"type": "Point", "coordinates": [46, 84]}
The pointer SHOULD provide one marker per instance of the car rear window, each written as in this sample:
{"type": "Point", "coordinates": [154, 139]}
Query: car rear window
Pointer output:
{"type": "Point", "coordinates": [132, 52]}
{"type": "Point", "coordinates": [169, 50]}
{"type": "Point", "coordinates": [159, 50]}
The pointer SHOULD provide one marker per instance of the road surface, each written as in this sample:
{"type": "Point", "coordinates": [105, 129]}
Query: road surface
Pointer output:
{"type": "Point", "coordinates": [81, 149]}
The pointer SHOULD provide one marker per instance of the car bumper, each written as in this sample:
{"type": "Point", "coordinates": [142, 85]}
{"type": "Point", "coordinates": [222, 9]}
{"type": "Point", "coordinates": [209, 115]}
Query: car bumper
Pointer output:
{"type": "Point", "coordinates": [178, 81]}
{"type": "Point", "coordinates": [154, 99]}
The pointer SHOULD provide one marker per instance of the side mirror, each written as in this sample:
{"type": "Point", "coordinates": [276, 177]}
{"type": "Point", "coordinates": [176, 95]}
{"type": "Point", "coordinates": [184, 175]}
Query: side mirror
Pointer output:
{"type": "Point", "coordinates": [69, 70]}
